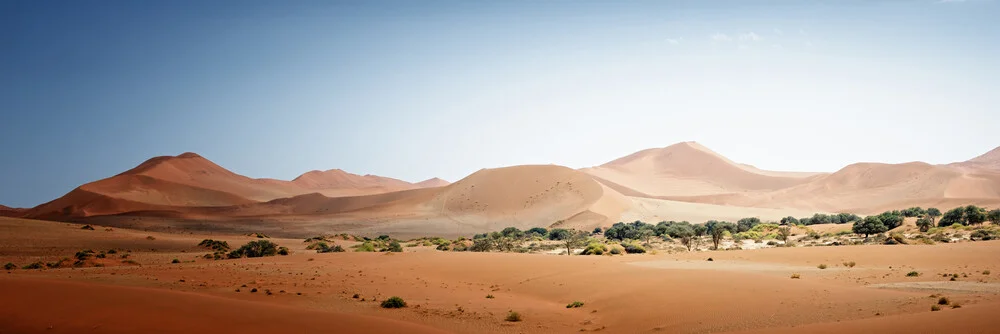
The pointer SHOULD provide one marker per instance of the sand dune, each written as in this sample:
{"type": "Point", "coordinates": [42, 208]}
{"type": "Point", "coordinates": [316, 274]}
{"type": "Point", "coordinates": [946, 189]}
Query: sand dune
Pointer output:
{"type": "Point", "coordinates": [989, 160]}
{"type": "Point", "coordinates": [432, 182]}
{"type": "Point", "coordinates": [690, 169]}
{"type": "Point", "coordinates": [336, 182]}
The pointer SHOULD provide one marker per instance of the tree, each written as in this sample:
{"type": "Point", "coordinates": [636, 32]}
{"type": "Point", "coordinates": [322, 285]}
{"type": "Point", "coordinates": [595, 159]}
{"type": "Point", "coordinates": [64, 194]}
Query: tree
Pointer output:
{"type": "Point", "coordinates": [975, 215]}
{"type": "Point", "coordinates": [789, 221]}
{"type": "Point", "coordinates": [933, 213]}
{"type": "Point", "coordinates": [570, 238]}
{"type": "Point", "coordinates": [539, 231]}
{"type": "Point", "coordinates": [746, 224]}
{"type": "Point", "coordinates": [994, 216]}
{"type": "Point", "coordinates": [718, 230]}
{"type": "Point", "coordinates": [924, 224]}
{"type": "Point", "coordinates": [506, 239]}
{"type": "Point", "coordinates": [891, 219]}
{"type": "Point", "coordinates": [597, 230]}
{"type": "Point", "coordinates": [870, 225]}
{"type": "Point", "coordinates": [914, 212]}
{"type": "Point", "coordinates": [952, 217]}
{"type": "Point", "coordinates": [645, 233]}
{"type": "Point", "coordinates": [784, 232]}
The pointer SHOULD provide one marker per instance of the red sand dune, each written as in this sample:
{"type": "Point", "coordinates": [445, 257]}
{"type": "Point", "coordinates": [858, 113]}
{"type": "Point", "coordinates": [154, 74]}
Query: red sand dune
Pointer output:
{"type": "Point", "coordinates": [432, 182]}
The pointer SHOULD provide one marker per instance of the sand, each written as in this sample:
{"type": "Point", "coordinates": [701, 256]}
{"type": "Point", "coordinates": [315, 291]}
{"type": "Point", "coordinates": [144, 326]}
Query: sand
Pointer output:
{"type": "Point", "coordinates": [446, 291]}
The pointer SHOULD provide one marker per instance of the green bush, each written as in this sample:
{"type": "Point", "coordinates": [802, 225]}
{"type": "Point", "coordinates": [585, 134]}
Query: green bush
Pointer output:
{"type": "Point", "coordinates": [366, 246]}
{"type": "Point", "coordinates": [574, 304]}
{"type": "Point", "coordinates": [632, 248]}
{"type": "Point", "coordinates": [616, 251]}
{"type": "Point", "coordinates": [87, 227]}
{"type": "Point", "coordinates": [175, 261]}
{"type": "Point", "coordinates": [394, 247]}
{"type": "Point", "coordinates": [935, 308]}
{"type": "Point", "coordinates": [256, 248]}
{"type": "Point", "coordinates": [912, 274]}
{"type": "Point", "coordinates": [283, 251]}
{"type": "Point", "coordinates": [821, 266]}
{"type": "Point", "coordinates": [36, 265]}
{"type": "Point", "coordinates": [943, 301]}
{"type": "Point", "coordinates": [9, 266]}
{"type": "Point", "coordinates": [393, 302]}
{"type": "Point", "coordinates": [215, 245]}
{"type": "Point", "coordinates": [513, 317]}
{"type": "Point", "coordinates": [595, 248]}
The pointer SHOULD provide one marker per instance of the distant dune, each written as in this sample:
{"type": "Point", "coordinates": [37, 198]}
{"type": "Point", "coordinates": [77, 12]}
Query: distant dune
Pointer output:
{"type": "Point", "coordinates": [685, 181]}
{"type": "Point", "coordinates": [989, 160]}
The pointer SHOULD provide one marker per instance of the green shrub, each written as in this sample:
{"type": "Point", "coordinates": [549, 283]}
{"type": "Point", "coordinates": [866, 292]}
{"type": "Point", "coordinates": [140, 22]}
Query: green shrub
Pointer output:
{"type": "Point", "coordinates": [821, 266]}
{"type": "Point", "coordinates": [394, 247]}
{"type": "Point", "coordinates": [632, 248]}
{"type": "Point", "coordinates": [217, 245]}
{"type": "Point", "coordinates": [393, 302]}
{"type": "Point", "coordinates": [175, 261]}
{"type": "Point", "coordinates": [366, 246]}
{"type": "Point", "coordinates": [595, 248]}
{"type": "Point", "coordinates": [616, 251]}
{"type": "Point", "coordinates": [986, 272]}
{"type": "Point", "coordinates": [513, 317]}
{"type": "Point", "coordinates": [9, 266]}
{"type": "Point", "coordinates": [84, 254]}
{"type": "Point", "coordinates": [943, 301]}
{"type": "Point", "coordinates": [283, 251]}
{"type": "Point", "coordinates": [574, 304]}
{"type": "Point", "coordinates": [912, 274]}
{"type": "Point", "coordinates": [935, 308]}
{"type": "Point", "coordinates": [87, 227]}
{"type": "Point", "coordinates": [489, 297]}
{"type": "Point", "coordinates": [36, 265]}
{"type": "Point", "coordinates": [256, 248]}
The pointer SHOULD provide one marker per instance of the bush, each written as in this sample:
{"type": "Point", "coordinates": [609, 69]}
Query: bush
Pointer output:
{"type": "Point", "coordinates": [935, 308]}
{"type": "Point", "coordinates": [393, 302]}
{"type": "Point", "coordinates": [772, 243]}
{"type": "Point", "coordinates": [9, 266]}
{"type": "Point", "coordinates": [574, 304]}
{"type": "Point", "coordinates": [175, 261]}
{"type": "Point", "coordinates": [394, 247]}
{"type": "Point", "coordinates": [283, 251]}
{"type": "Point", "coordinates": [366, 246]}
{"type": "Point", "coordinates": [215, 245]}
{"type": "Point", "coordinates": [84, 254]}
{"type": "Point", "coordinates": [256, 248]}
{"type": "Point", "coordinates": [821, 266]}
{"type": "Point", "coordinates": [87, 227]}
{"type": "Point", "coordinates": [595, 248]}
{"type": "Point", "coordinates": [36, 265]}
{"type": "Point", "coordinates": [616, 251]}
{"type": "Point", "coordinates": [632, 248]}
{"type": "Point", "coordinates": [850, 264]}
{"type": "Point", "coordinates": [912, 274]}
{"type": "Point", "coordinates": [795, 276]}
{"type": "Point", "coordinates": [986, 272]}
{"type": "Point", "coordinates": [513, 317]}
{"type": "Point", "coordinates": [943, 301]}
{"type": "Point", "coordinates": [489, 297]}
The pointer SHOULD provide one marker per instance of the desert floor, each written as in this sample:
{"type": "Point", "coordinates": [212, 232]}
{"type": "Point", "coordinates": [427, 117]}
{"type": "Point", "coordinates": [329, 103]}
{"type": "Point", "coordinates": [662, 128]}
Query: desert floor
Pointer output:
{"type": "Point", "coordinates": [739, 291]}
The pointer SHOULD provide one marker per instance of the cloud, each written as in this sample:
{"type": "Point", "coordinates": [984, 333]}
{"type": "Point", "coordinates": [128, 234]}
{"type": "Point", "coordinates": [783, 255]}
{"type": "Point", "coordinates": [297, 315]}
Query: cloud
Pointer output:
{"type": "Point", "coordinates": [676, 41]}
{"type": "Point", "coordinates": [750, 36]}
{"type": "Point", "coordinates": [720, 37]}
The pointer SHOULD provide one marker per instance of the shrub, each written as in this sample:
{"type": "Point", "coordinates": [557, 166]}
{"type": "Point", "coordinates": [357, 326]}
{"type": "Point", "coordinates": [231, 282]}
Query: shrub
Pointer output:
{"type": "Point", "coordinates": [912, 274]}
{"type": "Point", "coordinates": [943, 301]}
{"type": "Point", "coordinates": [149, 237]}
{"type": "Point", "coordinates": [616, 251]}
{"type": "Point", "coordinates": [986, 272]}
{"type": "Point", "coordinates": [595, 248]}
{"type": "Point", "coordinates": [393, 302]}
{"type": "Point", "coordinates": [87, 227]}
{"type": "Point", "coordinates": [513, 317]}
{"type": "Point", "coordinates": [489, 297]}
{"type": "Point", "coordinates": [215, 245]}
{"type": "Point", "coordinates": [956, 305]}
{"type": "Point", "coordinates": [9, 266]}
{"type": "Point", "coordinates": [795, 276]}
{"type": "Point", "coordinates": [282, 251]}
{"type": "Point", "coordinates": [772, 243]}
{"type": "Point", "coordinates": [256, 248]}
{"type": "Point", "coordinates": [632, 248]}
{"type": "Point", "coordinates": [84, 254]}
{"type": "Point", "coordinates": [36, 265]}
{"type": "Point", "coordinates": [394, 246]}
{"type": "Point", "coordinates": [935, 308]}
{"type": "Point", "coordinates": [850, 264]}
{"type": "Point", "coordinates": [821, 266]}
{"type": "Point", "coordinates": [175, 261]}
{"type": "Point", "coordinates": [574, 304]}
{"type": "Point", "coordinates": [366, 246]}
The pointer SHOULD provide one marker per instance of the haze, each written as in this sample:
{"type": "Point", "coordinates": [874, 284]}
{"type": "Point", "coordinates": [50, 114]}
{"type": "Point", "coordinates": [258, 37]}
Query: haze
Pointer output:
{"type": "Point", "coordinates": [442, 89]}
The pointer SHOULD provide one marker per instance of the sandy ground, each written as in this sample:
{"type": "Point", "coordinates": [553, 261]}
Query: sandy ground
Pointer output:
{"type": "Point", "coordinates": [748, 290]}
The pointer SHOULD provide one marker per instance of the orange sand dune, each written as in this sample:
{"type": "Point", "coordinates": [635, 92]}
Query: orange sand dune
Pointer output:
{"type": "Point", "coordinates": [336, 179]}
{"type": "Point", "coordinates": [989, 160]}
{"type": "Point", "coordinates": [689, 169]}
{"type": "Point", "coordinates": [6, 211]}
{"type": "Point", "coordinates": [432, 182]}
{"type": "Point", "coordinates": [28, 307]}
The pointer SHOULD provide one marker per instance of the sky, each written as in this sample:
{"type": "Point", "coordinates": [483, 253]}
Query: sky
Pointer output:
{"type": "Point", "coordinates": [421, 89]}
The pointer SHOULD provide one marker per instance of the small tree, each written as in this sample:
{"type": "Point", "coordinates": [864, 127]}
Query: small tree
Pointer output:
{"type": "Point", "coordinates": [718, 230]}
{"type": "Point", "coordinates": [789, 221]}
{"type": "Point", "coordinates": [924, 224]}
{"type": "Point", "coordinates": [645, 233]}
{"type": "Point", "coordinates": [933, 213]}
{"type": "Point", "coordinates": [975, 215]}
{"type": "Point", "coordinates": [870, 225]}
{"type": "Point", "coordinates": [570, 238]}
{"type": "Point", "coordinates": [994, 216]}
{"type": "Point", "coordinates": [746, 224]}
{"type": "Point", "coordinates": [784, 232]}
{"type": "Point", "coordinates": [952, 217]}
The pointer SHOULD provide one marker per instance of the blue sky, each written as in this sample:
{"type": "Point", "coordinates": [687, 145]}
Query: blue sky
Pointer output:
{"type": "Point", "coordinates": [418, 89]}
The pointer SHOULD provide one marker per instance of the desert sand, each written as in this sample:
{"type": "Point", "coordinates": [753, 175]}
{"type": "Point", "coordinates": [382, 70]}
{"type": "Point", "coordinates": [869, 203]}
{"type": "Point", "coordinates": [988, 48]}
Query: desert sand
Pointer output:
{"type": "Point", "coordinates": [740, 291]}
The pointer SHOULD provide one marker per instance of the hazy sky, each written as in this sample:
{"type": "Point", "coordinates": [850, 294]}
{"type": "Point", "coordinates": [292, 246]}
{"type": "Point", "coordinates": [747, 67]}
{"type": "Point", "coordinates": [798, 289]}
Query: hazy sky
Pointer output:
{"type": "Point", "coordinates": [417, 89]}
